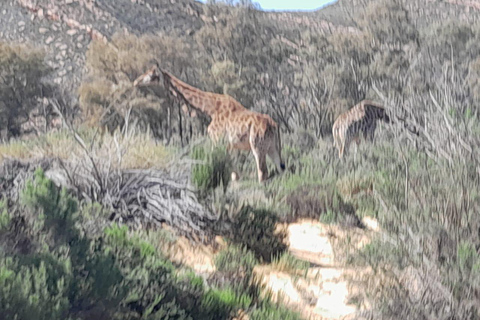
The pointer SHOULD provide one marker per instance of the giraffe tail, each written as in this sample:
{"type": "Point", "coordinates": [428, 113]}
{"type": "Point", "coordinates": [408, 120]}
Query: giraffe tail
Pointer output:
{"type": "Point", "coordinates": [279, 141]}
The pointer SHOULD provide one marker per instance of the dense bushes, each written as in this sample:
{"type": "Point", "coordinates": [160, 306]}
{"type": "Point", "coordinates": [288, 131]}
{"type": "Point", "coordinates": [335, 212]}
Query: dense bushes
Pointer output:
{"type": "Point", "coordinates": [256, 229]}
{"type": "Point", "coordinates": [67, 273]}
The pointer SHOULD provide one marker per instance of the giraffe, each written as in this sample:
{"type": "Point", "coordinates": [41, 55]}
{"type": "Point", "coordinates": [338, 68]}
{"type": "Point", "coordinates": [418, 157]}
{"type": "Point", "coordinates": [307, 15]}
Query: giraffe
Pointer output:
{"type": "Point", "coordinates": [244, 129]}
{"type": "Point", "coordinates": [361, 118]}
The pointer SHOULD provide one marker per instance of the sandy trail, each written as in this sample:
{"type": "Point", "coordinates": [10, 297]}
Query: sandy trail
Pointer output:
{"type": "Point", "coordinates": [323, 292]}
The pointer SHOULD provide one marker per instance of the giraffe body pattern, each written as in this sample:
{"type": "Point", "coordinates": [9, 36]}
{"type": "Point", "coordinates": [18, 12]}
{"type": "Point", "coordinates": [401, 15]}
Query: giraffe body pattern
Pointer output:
{"type": "Point", "coordinates": [242, 128]}
{"type": "Point", "coordinates": [360, 119]}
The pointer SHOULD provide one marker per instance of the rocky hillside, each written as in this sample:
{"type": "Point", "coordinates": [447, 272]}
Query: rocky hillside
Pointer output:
{"type": "Point", "coordinates": [65, 28]}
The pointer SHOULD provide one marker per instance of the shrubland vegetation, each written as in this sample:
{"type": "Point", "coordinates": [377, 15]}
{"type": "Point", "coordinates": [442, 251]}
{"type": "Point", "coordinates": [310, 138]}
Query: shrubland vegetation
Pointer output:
{"type": "Point", "coordinates": [423, 189]}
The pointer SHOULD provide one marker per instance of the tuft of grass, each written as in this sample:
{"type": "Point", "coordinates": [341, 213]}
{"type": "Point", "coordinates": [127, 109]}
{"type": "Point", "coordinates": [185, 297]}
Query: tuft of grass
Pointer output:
{"type": "Point", "coordinates": [235, 260]}
{"type": "Point", "coordinates": [4, 215]}
{"type": "Point", "coordinates": [215, 169]}
{"type": "Point", "coordinates": [288, 263]}
{"type": "Point", "coordinates": [219, 303]}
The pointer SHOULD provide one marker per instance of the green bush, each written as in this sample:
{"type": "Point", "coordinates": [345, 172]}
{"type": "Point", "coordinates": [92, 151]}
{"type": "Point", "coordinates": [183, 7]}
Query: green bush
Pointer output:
{"type": "Point", "coordinates": [25, 292]}
{"type": "Point", "coordinates": [63, 270]}
{"type": "Point", "coordinates": [256, 230]}
{"type": "Point", "coordinates": [236, 264]}
{"type": "Point", "coordinates": [215, 171]}
{"type": "Point", "coordinates": [468, 258]}
{"type": "Point", "coordinates": [219, 304]}
{"type": "Point", "coordinates": [235, 259]}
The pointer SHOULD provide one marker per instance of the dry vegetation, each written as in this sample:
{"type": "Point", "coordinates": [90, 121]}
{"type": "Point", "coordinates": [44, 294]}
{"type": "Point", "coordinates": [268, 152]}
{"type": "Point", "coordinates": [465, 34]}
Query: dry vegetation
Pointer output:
{"type": "Point", "coordinates": [422, 189]}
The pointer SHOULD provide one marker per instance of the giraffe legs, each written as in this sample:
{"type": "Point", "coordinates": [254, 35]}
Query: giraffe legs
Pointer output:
{"type": "Point", "coordinates": [235, 153]}
{"type": "Point", "coordinates": [261, 160]}
{"type": "Point", "coordinates": [341, 148]}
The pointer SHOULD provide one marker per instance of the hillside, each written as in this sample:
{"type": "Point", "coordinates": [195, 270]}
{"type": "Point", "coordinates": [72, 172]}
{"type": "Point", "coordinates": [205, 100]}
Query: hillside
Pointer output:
{"type": "Point", "coordinates": [115, 203]}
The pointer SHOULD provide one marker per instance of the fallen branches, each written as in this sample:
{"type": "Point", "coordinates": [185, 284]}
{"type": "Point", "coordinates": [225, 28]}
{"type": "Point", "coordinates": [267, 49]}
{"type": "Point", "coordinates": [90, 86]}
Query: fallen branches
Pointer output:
{"type": "Point", "coordinates": [139, 198]}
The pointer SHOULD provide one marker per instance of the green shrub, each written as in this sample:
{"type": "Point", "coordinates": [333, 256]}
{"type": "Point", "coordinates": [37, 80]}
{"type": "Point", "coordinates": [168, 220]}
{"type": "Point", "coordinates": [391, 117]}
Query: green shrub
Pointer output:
{"type": "Point", "coordinates": [63, 269]}
{"type": "Point", "coordinates": [468, 258]}
{"type": "Point", "coordinates": [236, 264]}
{"type": "Point", "coordinates": [256, 230]}
{"type": "Point", "coordinates": [55, 209]}
{"type": "Point", "coordinates": [4, 216]}
{"type": "Point", "coordinates": [219, 304]}
{"type": "Point", "coordinates": [214, 172]}
{"type": "Point", "coordinates": [235, 259]}
{"type": "Point", "coordinates": [25, 292]}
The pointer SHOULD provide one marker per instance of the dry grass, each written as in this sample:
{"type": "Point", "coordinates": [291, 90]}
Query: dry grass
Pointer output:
{"type": "Point", "coordinates": [131, 151]}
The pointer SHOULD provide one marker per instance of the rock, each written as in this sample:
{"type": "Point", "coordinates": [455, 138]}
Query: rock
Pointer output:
{"type": "Point", "coordinates": [49, 40]}
{"type": "Point", "coordinates": [63, 47]}
{"type": "Point", "coordinates": [72, 32]}
{"type": "Point", "coordinates": [79, 45]}
{"type": "Point", "coordinates": [21, 23]}
{"type": "Point", "coordinates": [43, 30]}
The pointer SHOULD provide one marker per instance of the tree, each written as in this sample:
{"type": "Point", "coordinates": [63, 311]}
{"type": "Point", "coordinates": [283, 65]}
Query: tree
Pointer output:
{"type": "Point", "coordinates": [22, 69]}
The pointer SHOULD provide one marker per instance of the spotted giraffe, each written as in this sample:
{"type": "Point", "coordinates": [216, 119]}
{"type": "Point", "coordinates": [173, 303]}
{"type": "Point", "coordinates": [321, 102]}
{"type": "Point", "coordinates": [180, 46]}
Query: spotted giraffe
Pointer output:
{"type": "Point", "coordinates": [244, 129]}
{"type": "Point", "coordinates": [361, 118]}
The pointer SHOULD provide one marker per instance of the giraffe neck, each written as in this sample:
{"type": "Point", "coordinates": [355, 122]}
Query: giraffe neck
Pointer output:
{"type": "Point", "coordinates": [202, 101]}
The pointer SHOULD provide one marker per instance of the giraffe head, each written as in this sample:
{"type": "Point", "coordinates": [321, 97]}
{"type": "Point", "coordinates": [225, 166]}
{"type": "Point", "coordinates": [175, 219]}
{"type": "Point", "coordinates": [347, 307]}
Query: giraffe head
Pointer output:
{"type": "Point", "coordinates": [152, 76]}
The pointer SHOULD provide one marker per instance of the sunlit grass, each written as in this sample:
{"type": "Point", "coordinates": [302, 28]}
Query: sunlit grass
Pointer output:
{"type": "Point", "coordinates": [132, 151]}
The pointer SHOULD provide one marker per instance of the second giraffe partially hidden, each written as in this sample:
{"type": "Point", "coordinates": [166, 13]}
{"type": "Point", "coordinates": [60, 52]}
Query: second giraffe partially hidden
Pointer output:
{"type": "Point", "coordinates": [361, 118]}
{"type": "Point", "coordinates": [244, 129]}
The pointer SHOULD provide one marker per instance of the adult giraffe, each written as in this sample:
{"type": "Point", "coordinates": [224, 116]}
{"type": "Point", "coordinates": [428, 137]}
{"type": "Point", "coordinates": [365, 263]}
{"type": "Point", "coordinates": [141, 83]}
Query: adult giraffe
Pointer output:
{"type": "Point", "coordinates": [243, 128]}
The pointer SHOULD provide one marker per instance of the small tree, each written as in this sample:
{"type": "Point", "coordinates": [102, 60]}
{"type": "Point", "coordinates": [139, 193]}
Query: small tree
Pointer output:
{"type": "Point", "coordinates": [22, 69]}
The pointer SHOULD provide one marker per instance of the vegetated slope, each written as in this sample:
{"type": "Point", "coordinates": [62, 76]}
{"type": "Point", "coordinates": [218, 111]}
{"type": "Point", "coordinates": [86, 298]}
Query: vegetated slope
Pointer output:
{"type": "Point", "coordinates": [422, 188]}
{"type": "Point", "coordinates": [63, 27]}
